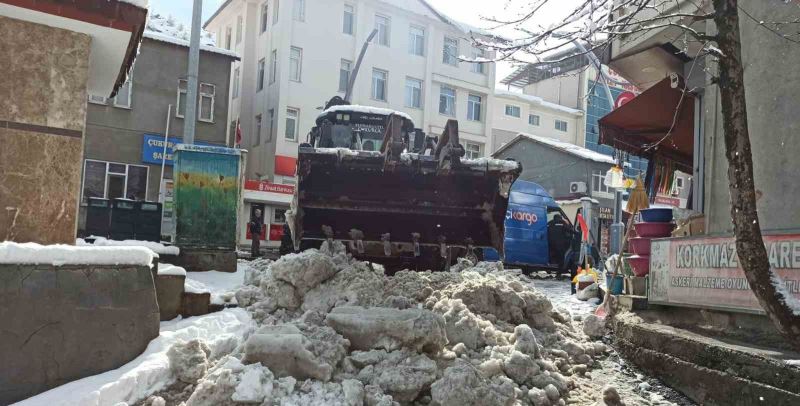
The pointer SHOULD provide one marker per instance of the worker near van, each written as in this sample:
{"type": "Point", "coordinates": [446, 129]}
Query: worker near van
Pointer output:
{"type": "Point", "coordinates": [558, 239]}
{"type": "Point", "coordinates": [255, 234]}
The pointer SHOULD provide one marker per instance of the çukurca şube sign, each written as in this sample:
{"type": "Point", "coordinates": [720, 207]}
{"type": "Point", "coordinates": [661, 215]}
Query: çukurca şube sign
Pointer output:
{"type": "Point", "coordinates": [705, 272]}
{"type": "Point", "coordinates": [153, 148]}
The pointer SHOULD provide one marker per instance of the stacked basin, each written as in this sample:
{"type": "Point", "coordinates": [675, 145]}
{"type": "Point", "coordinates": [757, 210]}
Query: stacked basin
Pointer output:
{"type": "Point", "coordinates": [656, 223]}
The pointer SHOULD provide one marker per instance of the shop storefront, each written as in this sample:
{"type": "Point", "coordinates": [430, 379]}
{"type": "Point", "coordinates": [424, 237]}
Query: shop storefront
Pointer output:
{"type": "Point", "coordinates": [273, 201]}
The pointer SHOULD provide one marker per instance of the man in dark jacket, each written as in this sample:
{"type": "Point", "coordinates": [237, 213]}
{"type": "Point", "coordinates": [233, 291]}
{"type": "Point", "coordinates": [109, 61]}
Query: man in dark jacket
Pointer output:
{"type": "Point", "coordinates": [255, 234]}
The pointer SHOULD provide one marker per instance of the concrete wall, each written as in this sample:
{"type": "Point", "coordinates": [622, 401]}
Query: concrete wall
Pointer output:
{"type": "Point", "coordinates": [547, 117]}
{"type": "Point", "coordinates": [553, 169]}
{"type": "Point", "coordinates": [158, 68]}
{"type": "Point", "coordinates": [772, 84]}
{"type": "Point", "coordinates": [65, 323]}
{"type": "Point", "coordinates": [42, 114]}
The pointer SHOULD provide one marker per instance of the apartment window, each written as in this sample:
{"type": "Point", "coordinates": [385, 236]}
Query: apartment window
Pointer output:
{"type": "Point", "coordinates": [295, 63]}
{"type": "Point", "coordinates": [473, 151]}
{"type": "Point", "coordinates": [270, 124]}
{"type": "Point", "coordinates": [273, 65]}
{"type": "Point", "coordinates": [474, 103]}
{"type": "Point", "coordinates": [236, 83]}
{"type": "Point", "coordinates": [599, 188]}
{"type": "Point", "coordinates": [533, 119]}
{"type": "Point", "coordinates": [299, 10]}
{"type": "Point", "coordinates": [561, 125]}
{"type": "Point", "coordinates": [379, 84]}
{"type": "Point", "coordinates": [112, 180]}
{"type": "Point", "coordinates": [450, 52]}
{"type": "Point", "coordinates": [344, 74]}
{"type": "Point", "coordinates": [228, 35]}
{"type": "Point", "coordinates": [413, 93]}
{"type": "Point", "coordinates": [383, 25]}
{"type": "Point", "coordinates": [206, 100]}
{"type": "Point", "coordinates": [123, 97]}
{"type": "Point", "coordinates": [97, 99]}
{"type": "Point", "coordinates": [416, 40]}
{"type": "Point", "coordinates": [478, 55]}
{"type": "Point", "coordinates": [348, 19]}
{"type": "Point", "coordinates": [275, 12]}
{"type": "Point", "coordinates": [447, 101]}
{"type": "Point", "coordinates": [181, 105]}
{"type": "Point", "coordinates": [260, 79]}
{"type": "Point", "coordinates": [238, 29]}
{"type": "Point", "coordinates": [292, 118]}
{"type": "Point", "coordinates": [512, 111]}
{"type": "Point", "coordinates": [264, 17]}
{"type": "Point", "coordinates": [258, 130]}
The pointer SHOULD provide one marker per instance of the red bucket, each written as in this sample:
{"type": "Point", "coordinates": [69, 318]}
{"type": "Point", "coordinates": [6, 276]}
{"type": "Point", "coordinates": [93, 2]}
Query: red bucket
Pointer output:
{"type": "Point", "coordinates": [640, 245]}
{"type": "Point", "coordinates": [639, 264]}
{"type": "Point", "coordinates": [654, 230]}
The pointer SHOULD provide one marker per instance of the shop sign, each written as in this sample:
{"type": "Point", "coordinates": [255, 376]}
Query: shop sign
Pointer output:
{"type": "Point", "coordinates": [669, 201]}
{"type": "Point", "coordinates": [705, 272]}
{"type": "Point", "coordinates": [606, 213]}
{"type": "Point", "coordinates": [153, 148]}
{"type": "Point", "coordinates": [264, 186]}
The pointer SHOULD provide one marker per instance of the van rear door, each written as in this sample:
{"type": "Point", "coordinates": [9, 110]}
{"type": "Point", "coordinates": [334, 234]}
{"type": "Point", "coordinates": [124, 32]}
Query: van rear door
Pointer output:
{"type": "Point", "coordinates": [526, 230]}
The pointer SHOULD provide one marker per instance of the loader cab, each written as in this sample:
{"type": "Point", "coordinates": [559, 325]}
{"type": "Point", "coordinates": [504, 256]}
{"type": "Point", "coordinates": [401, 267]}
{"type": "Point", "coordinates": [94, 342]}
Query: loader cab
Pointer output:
{"type": "Point", "coordinates": [531, 214]}
{"type": "Point", "coordinates": [358, 128]}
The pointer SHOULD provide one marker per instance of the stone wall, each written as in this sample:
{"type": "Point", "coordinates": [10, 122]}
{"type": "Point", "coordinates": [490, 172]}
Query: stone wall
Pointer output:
{"type": "Point", "coordinates": [64, 323]}
{"type": "Point", "coordinates": [42, 118]}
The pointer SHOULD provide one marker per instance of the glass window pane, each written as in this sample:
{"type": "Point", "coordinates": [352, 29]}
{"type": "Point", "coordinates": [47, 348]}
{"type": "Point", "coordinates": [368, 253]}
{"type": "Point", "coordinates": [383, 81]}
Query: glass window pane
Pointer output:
{"type": "Point", "coordinates": [116, 168]}
{"type": "Point", "coordinates": [94, 180]}
{"type": "Point", "coordinates": [347, 20]}
{"type": "Point", "coordinates": [206, 108]}
{"type": "Point", "coordinates": [116, 186]}
{"type": "Point", "coordinates": [137, 183]}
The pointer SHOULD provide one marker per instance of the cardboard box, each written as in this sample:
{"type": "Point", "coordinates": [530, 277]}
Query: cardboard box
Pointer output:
{"type": "Point", "coordinates": [695, 225]}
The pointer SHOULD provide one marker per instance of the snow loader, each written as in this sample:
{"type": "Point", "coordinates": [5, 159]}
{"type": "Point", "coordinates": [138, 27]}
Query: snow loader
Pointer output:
{"type": "Point", "coordinates": [392, 194]}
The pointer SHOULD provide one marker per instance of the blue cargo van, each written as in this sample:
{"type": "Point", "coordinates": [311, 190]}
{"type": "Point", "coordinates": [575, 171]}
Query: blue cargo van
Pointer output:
{"type": "Point", "coordinates": [526, 243]}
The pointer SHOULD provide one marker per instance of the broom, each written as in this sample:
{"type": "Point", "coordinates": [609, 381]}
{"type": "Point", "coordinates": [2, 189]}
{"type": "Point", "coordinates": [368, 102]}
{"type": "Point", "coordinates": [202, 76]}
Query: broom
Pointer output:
{"type": "Point", "coordinates": [637, 201]}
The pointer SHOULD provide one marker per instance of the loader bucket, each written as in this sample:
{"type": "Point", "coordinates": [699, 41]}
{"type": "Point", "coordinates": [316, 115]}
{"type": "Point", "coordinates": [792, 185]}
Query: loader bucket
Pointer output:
{"type": "Point", "coordinates": [389, 205]}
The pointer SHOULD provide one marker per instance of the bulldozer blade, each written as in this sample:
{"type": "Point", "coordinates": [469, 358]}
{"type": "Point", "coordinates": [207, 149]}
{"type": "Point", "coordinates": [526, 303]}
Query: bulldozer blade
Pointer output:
{"type": "Point", "coordinates": [412, 209]}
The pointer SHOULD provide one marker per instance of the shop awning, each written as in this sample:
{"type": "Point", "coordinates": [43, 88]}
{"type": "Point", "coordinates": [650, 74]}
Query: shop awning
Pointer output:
{"type": "Point", "coordinates": [640, 126]}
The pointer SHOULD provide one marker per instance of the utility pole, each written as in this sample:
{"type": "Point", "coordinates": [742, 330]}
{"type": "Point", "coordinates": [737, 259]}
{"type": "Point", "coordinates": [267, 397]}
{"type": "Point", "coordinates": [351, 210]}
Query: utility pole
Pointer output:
{"type": "Point", "coordinates": [191, 76]}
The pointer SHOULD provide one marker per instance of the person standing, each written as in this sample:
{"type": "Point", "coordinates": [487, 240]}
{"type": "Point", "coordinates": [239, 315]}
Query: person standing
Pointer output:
{"type": "Point", "coordinates": [255, 234]}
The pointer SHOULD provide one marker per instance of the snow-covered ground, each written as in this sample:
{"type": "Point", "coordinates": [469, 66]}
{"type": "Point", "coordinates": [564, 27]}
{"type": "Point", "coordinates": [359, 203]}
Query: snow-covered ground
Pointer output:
{"type": "Point", "coordinates": [150, 372]}
{"type": "Point", "coordinates": [221, 285]}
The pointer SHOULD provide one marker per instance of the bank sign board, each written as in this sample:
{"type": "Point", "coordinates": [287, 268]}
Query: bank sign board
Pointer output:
{"type": "Point", "coordinates": [153, 148]}
{"type": "Point", "coordinates": [705, 272]}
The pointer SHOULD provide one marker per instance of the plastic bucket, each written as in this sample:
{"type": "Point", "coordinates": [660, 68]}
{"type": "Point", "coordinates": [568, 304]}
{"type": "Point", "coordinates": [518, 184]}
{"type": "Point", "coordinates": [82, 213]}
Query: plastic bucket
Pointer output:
{"type": "Point", "coordinates": [617, 285]}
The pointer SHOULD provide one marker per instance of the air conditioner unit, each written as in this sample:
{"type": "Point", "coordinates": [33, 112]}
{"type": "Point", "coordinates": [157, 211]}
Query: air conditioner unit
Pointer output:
{"type": "Point", "coordinates": [577, 187]}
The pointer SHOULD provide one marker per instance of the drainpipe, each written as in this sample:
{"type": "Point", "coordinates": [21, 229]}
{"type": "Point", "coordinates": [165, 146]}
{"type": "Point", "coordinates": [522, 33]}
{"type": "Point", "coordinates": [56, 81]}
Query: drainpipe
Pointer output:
{"type": "Point", "coordinates": [191, 75]}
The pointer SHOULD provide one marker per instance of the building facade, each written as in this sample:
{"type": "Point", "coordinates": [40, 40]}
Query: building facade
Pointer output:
{"type": "Point", "coordinates": [124, 148]}
{"type": "Point", "coordinates": [297, 54]}
{"type": "Point", "coordinates": [516, 113]}
{"type": "Point", "coordinates": [573, 83]}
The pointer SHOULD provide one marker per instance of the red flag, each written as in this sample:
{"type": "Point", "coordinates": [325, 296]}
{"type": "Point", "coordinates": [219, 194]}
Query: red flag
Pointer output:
{"type": "Point", "coordinates": [238, 133]}
{"type": "Point", "coordinates": [584, 227]}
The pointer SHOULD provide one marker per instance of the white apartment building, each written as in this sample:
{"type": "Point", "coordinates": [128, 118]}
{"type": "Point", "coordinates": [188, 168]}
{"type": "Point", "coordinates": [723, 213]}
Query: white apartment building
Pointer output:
{"type": "Point", "coordinates": [515, 113]}
{"type": "Point", "coordinates": [297, 54]}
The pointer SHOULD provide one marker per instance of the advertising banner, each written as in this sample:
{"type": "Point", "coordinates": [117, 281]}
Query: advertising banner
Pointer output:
{"type": "Point", "coordinates": [705, 272]}
{"type": "Point", "coordinates": [153, 148]}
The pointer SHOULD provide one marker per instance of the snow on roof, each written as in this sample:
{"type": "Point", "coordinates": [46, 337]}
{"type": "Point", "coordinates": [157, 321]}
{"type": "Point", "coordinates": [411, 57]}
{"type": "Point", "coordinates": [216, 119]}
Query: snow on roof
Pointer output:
{"type": "Point", "coordinates": [58, 255]}
{"type": "Point", "coordinates": [177, 41]}
{"type": "Point", "coordinates": [562, 146]}
{"type": "Point", "coordinates": [538, 101]}
{"type": "Point", "coordinates": [574, 201]}
{"type": "Point", "coordinates": [502, 165]}
{"type": "Point", "coordinates": [137, 3]}
{"type": "Point", "coordinates": [363, 109]}
{"type": "Point", "coordinates": [466, 28]}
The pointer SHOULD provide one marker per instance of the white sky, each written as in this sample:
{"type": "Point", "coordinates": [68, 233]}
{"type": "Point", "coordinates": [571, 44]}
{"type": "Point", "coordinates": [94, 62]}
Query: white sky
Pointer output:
{"type": "Point", "coordinates": [468, 11]}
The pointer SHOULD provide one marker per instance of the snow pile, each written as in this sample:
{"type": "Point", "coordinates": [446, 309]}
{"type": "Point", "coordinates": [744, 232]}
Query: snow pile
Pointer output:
{"type": "Point", "coordinates": [221, 285]}
{"type": "Point", "coordinates": [60, 255]}
{"type": "Point", "coordinates": [219, 333]}
{"type": "Point", "coordinates": [354, 108]}
{"type": "Point", "coordinates": [156, 247]}
{"type": "Point", "coordinates": [335, 331]}
{"type": "Point", "coordinates": [170, 270]}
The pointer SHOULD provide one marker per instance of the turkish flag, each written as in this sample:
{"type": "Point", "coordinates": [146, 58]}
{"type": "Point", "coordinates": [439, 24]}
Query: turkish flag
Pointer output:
{"type": "Point", "coordinates": [584, 228]}
{"type": "Point", "coordinates": [238, 133]}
